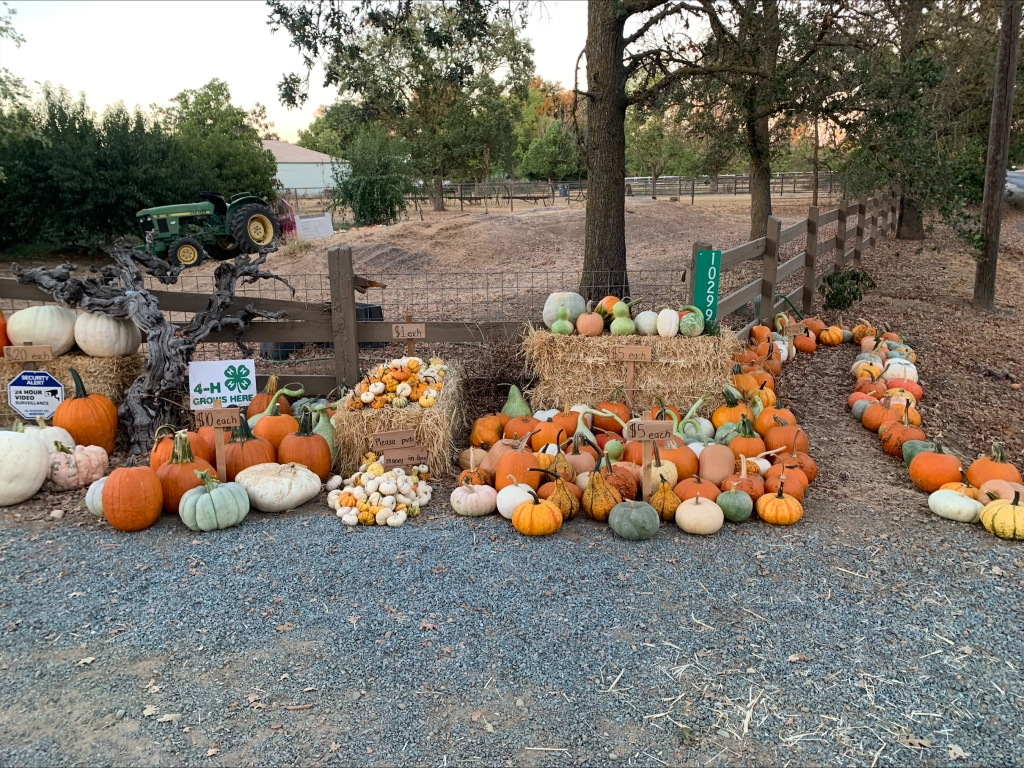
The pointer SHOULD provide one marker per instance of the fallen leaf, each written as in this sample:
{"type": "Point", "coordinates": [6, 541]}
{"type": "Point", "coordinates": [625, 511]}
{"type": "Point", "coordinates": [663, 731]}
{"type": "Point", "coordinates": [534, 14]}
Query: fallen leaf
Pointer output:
{"type": "Point", "coordinates": [353, 620]}
{"type": "Point", "coordinates": [283, 677]}
{"type": "Point", "coordinates": [789, 721]}
{"type": "Point", "coordinates": [252, 697]}
{"type": "Point", "coordinates": [475, 715]}
{"type": "Point", "coordinates": [169, 718]}
{"type": "Point", "coordinates": [86, 661]}
{"type": "Point", "coordinates": [288, 627]}
{"type": "Point", "coordinates": [912, 742]}
{"type": "Point", "coordinates": [82, 594]}
{"type": "Point", "coordinates": [997, 571]}
{"type": "Point", "coordinates": [800, 657]}
{"type": "Point", "coordinates": [212, 751]}
{"type": "Point", "coordinates": [956, 752]}
{"type": "Point", "coordinates": [488, 727]}
{"type": "Point", "coordinates": [276, 726]}
{"type": "Point", "coordinates": [426, 626]}
{"type": "Point", "coordinates": [622, 576]}
{"type": "Point", "coordinates": [335, 746]}
{"type": "Point", "coordinates": [966, 650]}
{"type": "Point", "coordinates": [150, 710]}
{"type": "Point", "coordinates": [259, 705]}
{"type": "Point", "coordinates": [187, 729]}
{"type": "Point", "coordinates": [310, 689]}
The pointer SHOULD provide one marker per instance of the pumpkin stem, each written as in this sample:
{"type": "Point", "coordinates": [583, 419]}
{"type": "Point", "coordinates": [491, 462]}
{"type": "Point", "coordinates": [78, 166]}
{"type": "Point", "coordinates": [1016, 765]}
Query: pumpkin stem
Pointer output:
{"type": "Point", "coordinates": [305, 423]}
{"type": "Point", "coordinates": [657, 455]}
{"type": "Point", "coordinates": [161, 428]}
{"type": "Point", "coordinates": [182, 452]}
{"type": "Point", "coordinates": [41, 422]}
{"type": "Point", "coordinates": [18, 426]}
{"type": "Point", "coordinates": [270, 388]}
{"type": "Point", "coordinates": [998, 453]}
{"type": "Point", "coordinates": [693, 409]}
{"type": "Point", "coordinates": [79, 386]}
{"type": "Point", "coordinates": [730, 398]}
{"type": "Point", "coordinates": [548, 472]}
{"type": "Point", "coordinates": [1016, 498]}
{"type": "Point", "coordinates": [743, 467]}
{"type": "Point", "coordinates": [209, 482]}
{"type": "Point", "coordinates": [782, 482]}
{"type": "Point", "coordinates": [513, 479]}
{"type": "Point", "coordinates": [242, 433]}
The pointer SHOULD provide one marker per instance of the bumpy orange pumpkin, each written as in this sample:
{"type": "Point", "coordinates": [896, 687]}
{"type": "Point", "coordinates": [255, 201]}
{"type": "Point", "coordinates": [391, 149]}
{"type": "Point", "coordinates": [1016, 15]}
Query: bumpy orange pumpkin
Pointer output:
{"type": "Point", "coordinates": [132, 498]}
{"type": "Point", "coordinates": [90, 419]}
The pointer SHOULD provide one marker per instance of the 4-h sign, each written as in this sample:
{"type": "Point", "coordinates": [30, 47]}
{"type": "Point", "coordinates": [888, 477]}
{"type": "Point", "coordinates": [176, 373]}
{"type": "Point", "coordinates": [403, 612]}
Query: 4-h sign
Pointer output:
{"type": "Point", "coordinates": [233, 382]}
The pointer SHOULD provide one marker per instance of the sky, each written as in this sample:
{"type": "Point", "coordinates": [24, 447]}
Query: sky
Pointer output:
{"type": "Point", "coordinates": [144, 53]}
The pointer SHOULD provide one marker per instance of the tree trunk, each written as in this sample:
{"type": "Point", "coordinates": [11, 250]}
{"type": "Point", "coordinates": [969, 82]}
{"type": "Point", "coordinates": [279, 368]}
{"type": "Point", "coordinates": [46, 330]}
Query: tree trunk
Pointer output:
{"type": "Point", "coordinates": [437, 194]}
{"type": "Point", "coordinates": [910, 223]}
{"type": "Point", "coordinates": [655, 175]}
{"type": "Point", "coordinates": [814, 166]}
{"type": "Point", "coordinates": [604, 259]}
{"type": "Point", "coordinates": [998, 154]}
{"type": "Point", "coordinates": [758, 145]}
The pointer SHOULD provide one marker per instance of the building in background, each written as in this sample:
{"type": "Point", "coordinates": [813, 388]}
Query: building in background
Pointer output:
{"type": "Point", "coordinates": [300, 170]}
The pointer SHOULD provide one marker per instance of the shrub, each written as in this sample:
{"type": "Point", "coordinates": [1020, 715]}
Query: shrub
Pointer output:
{"type": "Point", "coordinates": [374, 181]}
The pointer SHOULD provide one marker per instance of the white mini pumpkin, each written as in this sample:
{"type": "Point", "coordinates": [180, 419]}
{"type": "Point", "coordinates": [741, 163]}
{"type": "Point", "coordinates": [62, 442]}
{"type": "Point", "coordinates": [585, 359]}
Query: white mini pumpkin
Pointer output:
{"type": "Point", "coordinates": [101, 335]}
{"type": "Point", "coordinates": [50, 435]}
{"type": "Point", "coordinates": [647, 323]}
{"type": "Point", "coordinates": [470, 500]}
{"type": "Point", "coordinates": [46, 325]}
{"type": "Point", "coordinates": [24, 462]}
{"type": "Point", "coordinates": [510, 497]}
{"type": "Point", "coordinates": [700, 516]}
{"type": "Point", "coordinates": [668, 323]}
{"type": "Point", "coordinates": [278, 487]}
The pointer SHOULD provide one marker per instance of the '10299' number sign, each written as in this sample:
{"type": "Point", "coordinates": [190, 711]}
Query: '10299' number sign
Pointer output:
{"type": "Point", "coordinates": [707, 276]}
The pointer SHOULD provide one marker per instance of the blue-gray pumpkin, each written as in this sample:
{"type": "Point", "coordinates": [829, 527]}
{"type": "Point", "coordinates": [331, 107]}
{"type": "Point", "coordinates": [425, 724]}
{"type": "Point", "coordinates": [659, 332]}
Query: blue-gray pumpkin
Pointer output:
{"type": "Point", "coordinates": [634, 520]}
{"type": "Point", "coordinates": [213, 506]}
{"type": "Point", "coordinates": [736, 505]}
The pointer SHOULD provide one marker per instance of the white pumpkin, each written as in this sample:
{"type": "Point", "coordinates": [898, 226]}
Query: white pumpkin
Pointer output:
{"type": "Point", "coordinates": [783, 348]}
{"type": "Point", "coordinates": [582, 479]}
{"type": "Point", "coordinates": [24, 463]}
{"type": "Point", "coordinates": [954, 506]}
{"type": "Point", "coordinates": [510, 497]}
{"type": "Point", "coordinates": [278, 487]}
{"type": "Point", "coordinates": [71, 469]}
{"type": "Point", "coordinates": [668, 323]}
{"type": "Point", "coordinates": [474, 500]}
{"type": "Point", "coordinates": [646, 323]}
{"type": "Point", "coordinates": [700, 516]}
{"type": "Point", "coordinates": [94, 497]}
{"type": "Point", "coordinates": [101, 335]}
{"type": "Point", "coordinates": [895, 368]}
{"type": "Point", "coordinates": [572, 301]}
{"type": "Point", "coordinates": [49, 324]}
{"type": "Point", "coordinates": [51, 435]}
{"type": "Point", "coordinates": [547, 415]}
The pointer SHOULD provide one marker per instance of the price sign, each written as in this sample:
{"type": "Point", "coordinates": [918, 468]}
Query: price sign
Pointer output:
{"type": "Point", "coordinates": [389, 441]}
{"type": "Point", "coordinates": [403, 331]}
{"type": "Point", "coordinates": [231, 382]}
{"type": "Point", "coordinates": [792, 330]}
{"type": "Point", "coordinates": [633, 354]}
{"type": "Point", "coordinates": [405, 457]}
{"type": "Point", "coordinates": [648, 430]}
{"type": "Point", "coordinates": [28, 353]}
{"type": "Point", "coordinates": [218, 418]}
{"type": "Point", "coordinates": [707, 276]}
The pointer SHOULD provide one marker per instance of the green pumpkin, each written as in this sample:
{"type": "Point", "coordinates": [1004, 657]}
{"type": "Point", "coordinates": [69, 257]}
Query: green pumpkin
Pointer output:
{"type": "Point", "coordinates": [736, 505]}
{"type": "Point", "coordinates": [562, 324]}
{"type": "Point", "coordinates": [323, 426]}
{"type": "Point", "coordinates": [858, 408]}
{"type": "Point", "coordinates": [516, 404]}
{"type": "Point", "coordinates": [213, 505]}
{"type": "Point", "coordinates": [400, 402]}
{"type": "Point", "coordinates": [691, 324]}
{"type": "Point", "coordinates": [725, 433]}
{"type": "Point", "coordinates": [634, 520]}
{"type": "Point", "coordinates": [913, 447]}
{"type": "Point", "coordinates": [622, 325]}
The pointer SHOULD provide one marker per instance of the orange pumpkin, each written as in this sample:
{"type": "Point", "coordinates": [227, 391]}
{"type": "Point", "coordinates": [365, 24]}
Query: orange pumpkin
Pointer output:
{"type": "Point", "coordinates": [682, 456]}
{"type": "Point", "coordinates": [259, 403]}
{"type": "Point", "coordinates": [621, 479]}
{"type": "Point", "coordinates": [612, 405]}
{"type": "Point", "coordinates": [746, 441]}
{"type": "Point", "coordinates": [474, 474]}
{"type": "Point", "coordinates": [815, 326]}
{"type": "Point", "coordinates": [744, 382]}
{"type": "Point", "coordinates": [878, 413]}
{"type": "Point", "coordinates": [732, 411]}
{"type": "Point", "coordinates": [178, 474]}
{"type": "Point", "coordinates": [633, 451]}
{"type": "Point", "coordinates": [246, 450]}
{"type": "Point", "coordinates": [806, 342]}
{"type": "Point", "coordinates": [589, 323]}
{"type": "Point", "coordinates": [132, 498]}
{"type": "Point", "coordinates": [536, 517]}
{"type": "Point", "coordinates": [519, 426]}
{"type": "Point", "coordinates": [760, 333]}
{"type": "Point", "coordinates": [994, 467]}
{"type": "Point", "coordinates": [163, 446]}
{"type": "Point", "coordinates": [786, 435]}
{"type": "Point", "coordinates": [765, 379]}
{"type": "Point", "coordinates": [779, 508]}
{"type": "Point", "coordinates": [487, 430]}
{"type": "Point", "coordinates": [752, 485]}
{"type": "Point", "coordinates": [930, 470]}
{"type": "Point", "coordinates": [765, 395]}
{"type": "Point", "coordinates": [794, 488]}
{"type": "Point", "coordinates": [307, 448]}
{"type": "Point", "coordinates": [860, 396]}
{"type": "Point", "coordinates": [275, 428]}
{"type": "Point", "coordinates": [567, 420]}
{"type": "Point", "coordinates": [897, 433]}
{"type": "Point", "coordinates": [691, 487]}
{"type": "Point", "coordinates": [90, 419]}
{"type": "Point", "coordinates": [766, 419]}
{"type": "Point", "coordinates": [802, 461]}
{"type": "Point", "coordinates": [870, 385]}
{"type": "Point", "coordinates": [547, 432]}
{"type": "Point", "coordinates": [515, 464]}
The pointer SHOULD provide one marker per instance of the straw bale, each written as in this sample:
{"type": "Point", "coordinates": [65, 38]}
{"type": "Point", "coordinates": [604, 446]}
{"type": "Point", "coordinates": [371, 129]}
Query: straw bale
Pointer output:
{"type": "Point", "coordinates": [579, 369]}
{"type": "Point", "coordinates": [110, 376]}
{"type": "Point", "coordinates": [434, 426]}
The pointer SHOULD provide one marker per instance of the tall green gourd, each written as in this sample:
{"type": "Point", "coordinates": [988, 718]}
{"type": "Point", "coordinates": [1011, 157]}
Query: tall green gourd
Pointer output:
{"type": "Point", "coordinates": [562, 324]}
{"type": "Point", "coordinates": [516, 404]}
{"type": "Point", "coordinates": [622, 325]}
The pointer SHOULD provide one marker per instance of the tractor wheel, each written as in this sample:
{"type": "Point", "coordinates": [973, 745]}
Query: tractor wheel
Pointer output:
{"type": "Point", "coordinates": [186, 252]}
{"type": "Point", "coordinates": [255, 226]}
{"type": "Point", "coordinates": [223, 250]}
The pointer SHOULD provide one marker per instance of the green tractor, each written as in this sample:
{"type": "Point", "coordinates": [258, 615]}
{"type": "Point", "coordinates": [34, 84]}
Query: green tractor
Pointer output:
{"type": "Point", "coordinates": [186, 234]}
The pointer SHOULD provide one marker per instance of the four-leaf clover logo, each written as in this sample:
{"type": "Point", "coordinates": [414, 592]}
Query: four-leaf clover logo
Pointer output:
{"type": "Point", "coordinates": [237, 378]}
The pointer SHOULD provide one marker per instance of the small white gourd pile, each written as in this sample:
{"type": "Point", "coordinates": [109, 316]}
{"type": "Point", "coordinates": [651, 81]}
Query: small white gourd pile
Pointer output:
{"type": "Point", "coordinates": [374, 497]}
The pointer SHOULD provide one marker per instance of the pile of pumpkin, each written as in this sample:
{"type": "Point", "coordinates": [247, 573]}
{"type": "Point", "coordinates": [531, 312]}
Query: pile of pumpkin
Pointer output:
{"type": "Point", "coordinates": [60, 328]}
{"type": "Point", "coordinates": [566, 313]}
{"type": "Point", "coordinates": [541, 469]}
{"type": "Point", "coordinates": [884, 400]}
{"type": "Point", "coordinates": [403, 382]}
{"type": "Point", "coordinates": [375, 496]}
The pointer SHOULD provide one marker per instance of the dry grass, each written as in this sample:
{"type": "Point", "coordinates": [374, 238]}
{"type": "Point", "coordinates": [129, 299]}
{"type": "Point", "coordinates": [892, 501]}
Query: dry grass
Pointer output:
{"type": "Point", "coordinates": [434, 427]}
{"type": "Point", "coordinates": [578, 369]}
{"type": "Point", "coordinates": [109, 376]}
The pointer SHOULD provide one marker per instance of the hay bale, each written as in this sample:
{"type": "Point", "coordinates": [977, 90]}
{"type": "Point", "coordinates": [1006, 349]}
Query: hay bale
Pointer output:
{"type": "Point", "coordinates": [434, 426]}
{"type": "Point", "coordinates": [578, 369]}
{"type": "Point", "coordinates": [110, 376]}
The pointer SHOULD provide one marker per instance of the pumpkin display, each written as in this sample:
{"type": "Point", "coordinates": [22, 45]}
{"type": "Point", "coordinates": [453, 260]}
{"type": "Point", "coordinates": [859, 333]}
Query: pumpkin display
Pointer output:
{"type": "Point", "coordinates": [50, 435]}
{"type": "Point", "coordinates": [735, 504]}
{"type": "Point", "coordinates": [955, 506]}
{"type": "Point", "coordinates": [779, 508]}
{"type": "Point", "coordinates": [930, 470]}
{"type": "Point", "coordinates": [163, 446]}
{"type": "Point", "coordinates": [24, 465]}
{"type": "Point", "coordinates": [306, 448]}
{"type": "Point", "coordinates": [574, 305]}
{"type": "Point", "coordinates": [74, 468]}
{"type": "Point", "coordinates": [132, 498]}
{"type": "Point", "coordinates": [177, 475]}
{"type": "Point", "coordinates": [471, 499]}
{"type": "Point", "coordinates": [514, 466]}
{"type": "Point", "coordinates": [536, 517]}
{"type": "Point", "coordinates": [260, 402]}
{"type": "Point", "coordinates": [213, 506]}
{"type": "Point", "coordinates": [278, 487]}
{"type": "Point", "coordinates": [48, 325]}
{"type": "Point", "coordinates": [700, 517]}
{"type": "Point", "coordinates": [634, 520]}
{"type": "Point", "coordinates": [589, 323]}
{"type": "Point", "coordinates": [993, 467]}
{"type": "Point", "coordinates": [511, 496]}
{"type": "Point", "coordinates": [563, 494]}
{"type": "Point", "coordinates": [245, 450]}
{"type": "Point", "coordinates": [100, 335]}
{"type": "Point", "coordinates": [90, 419]}
{"type": "Point", "coordinates": [1004, 518]}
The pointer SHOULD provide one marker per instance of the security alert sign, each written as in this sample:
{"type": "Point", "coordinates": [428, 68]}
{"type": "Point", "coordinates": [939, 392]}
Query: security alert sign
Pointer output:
{"type": "Point", "coordinates": [34, 393]}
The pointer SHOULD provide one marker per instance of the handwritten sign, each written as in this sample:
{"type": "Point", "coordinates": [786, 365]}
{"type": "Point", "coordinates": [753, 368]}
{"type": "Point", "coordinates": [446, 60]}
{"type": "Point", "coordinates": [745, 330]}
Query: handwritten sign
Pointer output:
{"type": "Point", "coordinates": [408, 331]}
{"type": "Point", "coordinates": [28, 353]}
{"type": "Point", "coordinates": [795, 329]}
{"type": "Point", "coordinates": [218, 418]}
{"type": "Point", "coordinates": [405, 457]}
{"type": "Point", "coordinates": [648, 430]}
{"type": "Point", "coordinates": [633, 354]}
{"type": "Point", "coordinates": [233, 382]}
{"type": "Point", "coordinates": [389, 441]}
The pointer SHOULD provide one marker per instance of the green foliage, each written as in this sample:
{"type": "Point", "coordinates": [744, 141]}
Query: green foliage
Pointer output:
{"type": "Point", "coordinates": [334, 126]}
{"type": "Point", "coordinates": [841, 290]}
{"type": "Point", "coordinates": [374, 181]}
{"type": "Point", "coordinates": [552, 156]}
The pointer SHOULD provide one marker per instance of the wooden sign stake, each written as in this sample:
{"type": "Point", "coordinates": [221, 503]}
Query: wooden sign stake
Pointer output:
{"type": "Point", "coordinates": [218, 442]}
{"type": "Point", "coordinates": [628, 391]}
{"type": "Point", "coordinates": [646, 471]}
{"type": "Point", "coordinates": [410, 349]}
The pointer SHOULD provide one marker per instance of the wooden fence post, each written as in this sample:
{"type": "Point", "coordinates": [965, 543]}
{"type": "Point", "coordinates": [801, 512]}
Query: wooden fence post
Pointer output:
{"type": "Point", "coordinates": [691, 283]}
{"type": "Point", "coordinates": [882, 216]}
{"type": "Point", "coordinates": [841, 235]}
{"type": "Point", "coordinates": [858, 245]}
{"type": "Point", "coordinates": [872, 221]}
{"type": "Point", "coordinates": [343, 316]}
{"type": "Point", "coordinates": [893, 212]}
{"type": "Point", "coordinates": [810, 258]}
{"type": "Point", "coordinates": [770, 266]}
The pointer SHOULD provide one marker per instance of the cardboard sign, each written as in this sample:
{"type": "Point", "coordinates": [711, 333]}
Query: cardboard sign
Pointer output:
{"type": "Point", "coordinates": [405, 457]}
{"type": "Point", "coordinates": [390, 441]}
{"type": "Point", "coordinates": [648, 430]}
{"type": "Point", "coordinates": [34, 393]}
{"type": "Point", "coordinates": [28, 353]}
{"type": "Point", "coordinates": [634, 354]}
{"type": "Point", "coordinates": [218, 418]}
{"type": "Point", "coordinates": [233, 382]}
{"type": "Point", "coordinates": [707, 277]}
{"type": "Point", "coordinates": [312, 226]}
{"type": "Point", "coordinates": [794, 329]}
{"type": "Point", "coordinates": [408, 331]}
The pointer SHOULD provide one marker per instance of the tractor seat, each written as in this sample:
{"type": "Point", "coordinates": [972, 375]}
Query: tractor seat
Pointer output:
{"type": "Point", "coordinates": [220, 206]}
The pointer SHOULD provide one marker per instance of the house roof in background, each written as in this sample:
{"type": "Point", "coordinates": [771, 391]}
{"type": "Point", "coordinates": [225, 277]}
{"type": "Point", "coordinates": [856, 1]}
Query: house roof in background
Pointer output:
{"type": "Point", "coordinates": [290, 153]}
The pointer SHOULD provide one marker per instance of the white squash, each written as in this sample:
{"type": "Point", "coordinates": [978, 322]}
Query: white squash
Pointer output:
{"type": "Point", "coordinates": [953, 506]}
{"type": "Point", "coordinates": [572, 301]}
{"type": "Point", "coordinates": [668, 323]}
{"type": "Point", "coordinates": [101, 335]}
{"type": "Point", "coordinates": [24, 464]}
{"type": "Point", "coordinates": [783, 348]}
{"type": "Point", "coordinates": [895, 368]}
{"type": "Point", "coordinates": [51, 435]}
{"type": "Point", "coordinates": [278, 487]}
{"type": "Point", "coordinates": [94, 497]}
{"type": "Point", "coordinates": [510, 497]}
{"type": "Point", "coordinates": [547, 415]}
{"type": "Point", "coordinates": [474, 500]}
{"type": "Point", "coordinates": [646, 323]}
{"type": "Point", "coordinates": [582, 479]}
{"type": "Point", "coordinates": [48, 324]}
{"type": "Point", "coordinates": [700, 516]}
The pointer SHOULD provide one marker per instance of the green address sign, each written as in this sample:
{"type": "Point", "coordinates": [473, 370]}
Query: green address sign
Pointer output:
{"type": "Point", "coordinates": [707, 276]}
